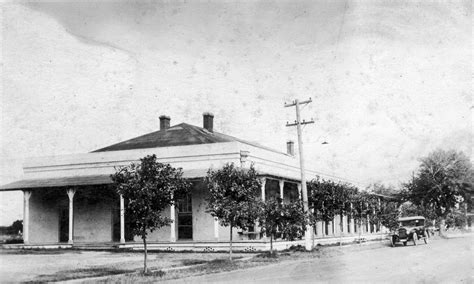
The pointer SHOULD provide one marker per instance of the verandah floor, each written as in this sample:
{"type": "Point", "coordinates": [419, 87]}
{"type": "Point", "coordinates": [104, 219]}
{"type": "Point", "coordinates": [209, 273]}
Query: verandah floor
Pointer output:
{"type": "Point", "coordinates": [203, 246]}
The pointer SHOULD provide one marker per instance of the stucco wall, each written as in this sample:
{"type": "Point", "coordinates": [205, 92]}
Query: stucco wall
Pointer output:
{"type": "Point", "coordinates": [203, 223]}
{"type": "Point", "coordinates": [163, 234]}
{"type": "Point", "coordinates": [92, 220]}
{"type": "Point", "coordinates": [224, 234]}
{"type": "Point", "coordinates": [44, 220]}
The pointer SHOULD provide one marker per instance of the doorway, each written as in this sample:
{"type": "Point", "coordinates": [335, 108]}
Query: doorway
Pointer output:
{"type": "Point", "coordinates": [116, 226]}
{"type": "Point", "coordinates": [185, 218]}
{"type": "Point", "coordinates": [63, 225]}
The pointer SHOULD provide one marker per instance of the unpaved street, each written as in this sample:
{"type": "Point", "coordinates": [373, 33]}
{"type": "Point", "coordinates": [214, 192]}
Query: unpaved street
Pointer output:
{"type": "Point", "coordinates": [441, 261]}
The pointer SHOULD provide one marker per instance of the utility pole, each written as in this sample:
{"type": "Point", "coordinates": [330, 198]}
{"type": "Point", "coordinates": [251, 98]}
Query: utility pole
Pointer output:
{"type": "Point", "coordinates": [309, 230]}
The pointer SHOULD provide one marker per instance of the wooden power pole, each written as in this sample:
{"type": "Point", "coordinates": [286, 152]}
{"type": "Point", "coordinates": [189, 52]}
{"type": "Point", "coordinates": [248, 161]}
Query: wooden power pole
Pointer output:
{"type": "Point", "coordinates": [296, 103]}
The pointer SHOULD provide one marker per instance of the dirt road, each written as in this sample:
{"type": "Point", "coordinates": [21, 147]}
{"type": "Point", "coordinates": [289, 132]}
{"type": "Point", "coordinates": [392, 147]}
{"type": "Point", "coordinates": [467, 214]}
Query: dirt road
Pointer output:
{"type": "Point", "coordinates": [441, 261]}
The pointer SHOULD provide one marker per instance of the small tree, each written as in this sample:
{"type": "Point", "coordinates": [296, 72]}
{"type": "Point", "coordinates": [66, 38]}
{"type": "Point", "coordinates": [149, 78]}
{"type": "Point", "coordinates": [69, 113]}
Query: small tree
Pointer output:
{"type": "Point", "coordinates": [363, 207]}
{"type": "Point", "coordinates": [271, 218]}
{"type": "Point", "coordinates": [289, 219]}
{"type": "Point", "coordinates": [328, 199]}
{"type": "Point", "coordinates": [389, 200]}
{"type": "Point", "coordinates": [343, 195]}
{"type": "Point", "coordinates": [148, 187]}
{"type": "Point", "coordinates": [442, 183]}
{"type": "Point", "coordinates": [294, 221]}
{"type": "Point", "coordinates": [234, 197]}
{"type": "Point", "coordinates": [321, 200]}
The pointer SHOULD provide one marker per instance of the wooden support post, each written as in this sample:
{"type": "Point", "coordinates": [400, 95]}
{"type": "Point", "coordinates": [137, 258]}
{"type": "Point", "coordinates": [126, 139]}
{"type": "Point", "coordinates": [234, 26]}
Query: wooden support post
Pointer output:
{"type": "Point", "coordinates": [351, 220]}
{"type": "Point", "coordinates": [122, 220]}
{"type": "Point", "coordinates": [173, 223]}
{"type": "Point", "coordinates": [299, 190]}
{"type": "Point", "coordinates": [263, 181]}
{"type": "Point", "coordinates": [70, 194]}
{"type": "Point", "coordinates": [216, 229]}
{"type": "Point", "coordinates": [26, 216]}
{"type": "Point", "coordinates": [282, 184]}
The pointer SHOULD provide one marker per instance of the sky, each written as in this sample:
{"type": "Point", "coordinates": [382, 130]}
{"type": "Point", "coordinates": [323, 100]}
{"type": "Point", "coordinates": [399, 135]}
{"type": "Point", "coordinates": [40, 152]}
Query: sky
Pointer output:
{"type": "Point", "coordinates": [390, 81]}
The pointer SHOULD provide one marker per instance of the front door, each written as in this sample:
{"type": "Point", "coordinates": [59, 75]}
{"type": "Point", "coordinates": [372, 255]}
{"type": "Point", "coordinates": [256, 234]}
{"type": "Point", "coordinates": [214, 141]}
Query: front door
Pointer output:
{"type": "Point", "coordinates": [185, 218]}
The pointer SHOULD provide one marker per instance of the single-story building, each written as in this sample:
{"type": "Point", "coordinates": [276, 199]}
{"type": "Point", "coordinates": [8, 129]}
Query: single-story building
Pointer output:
{"type": "Point", "coordinates": [69, 199]}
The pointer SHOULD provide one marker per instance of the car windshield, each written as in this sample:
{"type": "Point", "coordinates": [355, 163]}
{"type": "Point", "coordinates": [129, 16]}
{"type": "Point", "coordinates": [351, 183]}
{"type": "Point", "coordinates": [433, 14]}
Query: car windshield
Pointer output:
{"type": "Point", "coordinates": [412, 223]}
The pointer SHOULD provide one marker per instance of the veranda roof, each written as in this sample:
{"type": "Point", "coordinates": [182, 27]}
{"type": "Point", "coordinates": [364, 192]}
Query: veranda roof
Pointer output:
{"type": "Point", "coordinates": [77, 181]}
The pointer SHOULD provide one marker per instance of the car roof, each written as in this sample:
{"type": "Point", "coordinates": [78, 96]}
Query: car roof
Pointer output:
{"type": "Point", "coordinates": [411, 218]}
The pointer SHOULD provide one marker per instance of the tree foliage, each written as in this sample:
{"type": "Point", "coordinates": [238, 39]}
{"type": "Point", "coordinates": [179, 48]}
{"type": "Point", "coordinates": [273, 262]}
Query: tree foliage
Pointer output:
{"type": "Point", "coordinates": [148, 188]}
{"type": "Point", "coordinates": [16, 227]}
{"type": "Point", "coordinates": [444, 180]}
{"type": "Point", "coordinates": [293, 222]}
{"type": "Point", "coordinates": [379, 204]}
{"type": "Point", "coordinates": [389, 199]}
{"type": "Point", "coordinates": [329, 198]}
{"type": "Point", "coordinates": [288, 220]}
{"type": "Point", "coordinates": [234, 196]}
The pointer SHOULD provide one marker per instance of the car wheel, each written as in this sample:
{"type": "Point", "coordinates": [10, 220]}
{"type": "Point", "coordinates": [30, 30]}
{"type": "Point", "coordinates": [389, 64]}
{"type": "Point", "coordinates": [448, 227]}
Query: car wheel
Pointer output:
{"type": "Point", "coordinates": [404, 243]}
{"type": "Point", "coordinates": [392, 242]}
{"type": "Point", "coordinates": [426, 240]}
{"type": "Point", "coordinates": [415, 238]}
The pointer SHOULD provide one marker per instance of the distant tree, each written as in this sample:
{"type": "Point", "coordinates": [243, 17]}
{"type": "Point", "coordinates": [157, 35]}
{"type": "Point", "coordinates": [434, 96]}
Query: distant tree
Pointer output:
{"type": "Point", "coordinates": [16, 227]}
{"type": "Point", "coordinates": [365, 207]}
{"type": "Point", "coordinates": [148, 187]}
{"type": "Point", "coordinates": [409, 209]}
{"type": "Point", "coordinates": [443, 181]}
{"type": "Point", "coordinates": [234, 195]}
{"type": "Point", "coordinates": [388, 214]}
{"type": "Point", "coordinates": [456, 219]}
{"type": "Point", "coordinates": [389, 200]}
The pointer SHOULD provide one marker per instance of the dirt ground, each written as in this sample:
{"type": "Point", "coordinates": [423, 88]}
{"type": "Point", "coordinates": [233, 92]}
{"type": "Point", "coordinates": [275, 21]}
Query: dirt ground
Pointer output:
{"type": "Point", "coordinates": [441, 261]}
{"type": "Point", "coordinates": [20, 266]}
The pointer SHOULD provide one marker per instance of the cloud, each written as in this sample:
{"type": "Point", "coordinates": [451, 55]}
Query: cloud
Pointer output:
{"type": "Point", "coordinates": [390, 80]}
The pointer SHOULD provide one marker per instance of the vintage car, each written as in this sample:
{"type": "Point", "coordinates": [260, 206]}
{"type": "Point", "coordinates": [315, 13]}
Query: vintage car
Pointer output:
{"type": "Point", "coordinates": [410, 229]}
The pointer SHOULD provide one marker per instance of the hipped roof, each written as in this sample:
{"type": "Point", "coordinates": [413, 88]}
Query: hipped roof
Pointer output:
{"type": "Point", "coordinates": [178, 135]}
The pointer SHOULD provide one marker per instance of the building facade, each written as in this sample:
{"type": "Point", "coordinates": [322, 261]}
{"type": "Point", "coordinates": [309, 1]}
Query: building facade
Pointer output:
{"type": "Point", "coordinates": [69, 200]}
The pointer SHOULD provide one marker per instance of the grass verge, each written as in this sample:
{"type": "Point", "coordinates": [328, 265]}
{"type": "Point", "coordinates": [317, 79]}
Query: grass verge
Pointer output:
{"type": "Point", "coordinates": [78, 273]}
